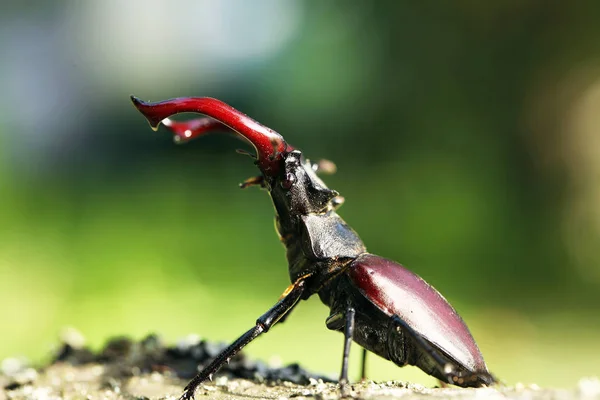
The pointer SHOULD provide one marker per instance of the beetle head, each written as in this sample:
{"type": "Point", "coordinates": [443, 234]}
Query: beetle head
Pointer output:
{"type": "Point", "coordinates": [297, 189]}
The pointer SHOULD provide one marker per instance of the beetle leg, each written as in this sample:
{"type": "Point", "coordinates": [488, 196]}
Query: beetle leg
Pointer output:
{"type": "Point", "coordinates": [290, 298]}
{"type": "Point", "coordinates": [453, 375]}
{"type": "Point", "coordinates": [470, 378]}
{"type": "Point", "coordinates": [363, 366]}
{"type": "Point", "coordinates": [287, 314]}
{"type": "Point", "coordinates": [348, 333]}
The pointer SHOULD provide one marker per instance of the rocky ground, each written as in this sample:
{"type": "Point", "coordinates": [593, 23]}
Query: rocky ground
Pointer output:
{"type": "Point", "coordinates": [125, 369]}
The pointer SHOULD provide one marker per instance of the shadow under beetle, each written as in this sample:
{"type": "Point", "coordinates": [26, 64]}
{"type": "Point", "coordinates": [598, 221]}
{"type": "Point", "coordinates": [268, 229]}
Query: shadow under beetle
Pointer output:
{"type": "Point", "coordinates": [378, 303]}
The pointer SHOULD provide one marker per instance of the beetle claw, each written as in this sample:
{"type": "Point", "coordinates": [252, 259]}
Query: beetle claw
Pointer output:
{"type": "Point", "coordinates": [187, 396]}
{"type": "Point", "coordinates": [345, 390]}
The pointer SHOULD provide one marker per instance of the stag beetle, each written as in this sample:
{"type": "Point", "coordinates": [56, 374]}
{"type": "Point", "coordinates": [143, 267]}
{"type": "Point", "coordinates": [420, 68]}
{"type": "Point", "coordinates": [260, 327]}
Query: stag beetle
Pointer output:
{"type": "Point", "coordinates": [378, 303]}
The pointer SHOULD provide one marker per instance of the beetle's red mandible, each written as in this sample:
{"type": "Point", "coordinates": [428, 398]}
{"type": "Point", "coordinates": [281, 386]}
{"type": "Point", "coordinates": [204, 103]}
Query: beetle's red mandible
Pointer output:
{"type": "Point", "coordinates": [270, 145]}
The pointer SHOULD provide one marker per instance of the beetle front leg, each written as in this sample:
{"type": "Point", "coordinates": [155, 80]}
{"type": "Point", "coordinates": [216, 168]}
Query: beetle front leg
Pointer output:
{"type": "Point", "coordinates": [348, 334]}
{"type": "Point", "coordinates": [289, 299]}
{"type": "Point", "coordinates": [287, 314]}
{"type": "Point", "coordinates": [453, 374]}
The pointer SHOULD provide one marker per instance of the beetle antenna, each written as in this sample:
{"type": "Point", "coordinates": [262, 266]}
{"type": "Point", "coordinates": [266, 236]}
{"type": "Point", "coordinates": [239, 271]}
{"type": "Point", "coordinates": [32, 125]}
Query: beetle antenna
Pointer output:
{"type": "Point", "coordinates": [270, 145]}
{"type": "Point", "coordinates": [254, 181]}
{"type": "Point", "coordinates": [245, 153]}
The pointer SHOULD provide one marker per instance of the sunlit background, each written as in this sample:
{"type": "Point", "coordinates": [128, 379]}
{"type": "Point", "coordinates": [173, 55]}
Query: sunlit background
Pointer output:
{"type": "Point", "coordinates": [466, 136]}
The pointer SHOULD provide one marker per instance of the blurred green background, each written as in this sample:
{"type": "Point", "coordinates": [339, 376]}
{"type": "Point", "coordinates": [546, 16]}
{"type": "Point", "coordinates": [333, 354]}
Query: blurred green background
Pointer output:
{"type": "Point", "coordinates": [466, 136]}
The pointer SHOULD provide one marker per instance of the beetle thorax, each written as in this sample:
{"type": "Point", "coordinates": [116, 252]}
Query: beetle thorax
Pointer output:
{"type": "Point", "coordinates": [317, 239]}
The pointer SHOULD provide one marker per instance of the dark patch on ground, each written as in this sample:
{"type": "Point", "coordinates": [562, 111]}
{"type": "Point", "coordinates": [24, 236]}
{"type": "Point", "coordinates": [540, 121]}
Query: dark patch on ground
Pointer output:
{"type": "Point", "coordinates": [125, 369]}
{"type": "Point", "coordinates": [151, 354]}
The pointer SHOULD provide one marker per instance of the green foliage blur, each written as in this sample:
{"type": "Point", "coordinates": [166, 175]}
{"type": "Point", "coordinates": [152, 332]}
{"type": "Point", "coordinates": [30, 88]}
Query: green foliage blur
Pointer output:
{"type": "Point", "coordinates": [466, 136]}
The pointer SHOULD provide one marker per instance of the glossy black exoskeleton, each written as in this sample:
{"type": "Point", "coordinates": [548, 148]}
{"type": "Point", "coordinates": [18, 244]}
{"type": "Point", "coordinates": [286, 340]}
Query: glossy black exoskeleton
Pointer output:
{"type": "Point", "coordinates": [377, 303]}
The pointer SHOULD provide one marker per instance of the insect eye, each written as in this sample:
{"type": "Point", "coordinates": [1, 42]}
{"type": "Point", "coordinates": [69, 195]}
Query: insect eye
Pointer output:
{"type": "Point", "coordinates": [289, 180]}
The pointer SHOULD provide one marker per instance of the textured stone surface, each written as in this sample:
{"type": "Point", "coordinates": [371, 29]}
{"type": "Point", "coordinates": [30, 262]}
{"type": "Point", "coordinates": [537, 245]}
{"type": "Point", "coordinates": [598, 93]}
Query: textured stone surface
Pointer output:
{"type": "Point", "coordinates": [148, 370]}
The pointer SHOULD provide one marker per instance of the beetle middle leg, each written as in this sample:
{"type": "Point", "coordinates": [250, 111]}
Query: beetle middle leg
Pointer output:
{"type": "Point", "coordinates": [288, 300]}
{"type": "Point", "coordinates": [348, 334]}
{"type": "Point", "coordinates": [363, 365]}
{"type": "Point", "coordinates": [453, 374]}
{"type": "Point", "coordinates": [338, 321]}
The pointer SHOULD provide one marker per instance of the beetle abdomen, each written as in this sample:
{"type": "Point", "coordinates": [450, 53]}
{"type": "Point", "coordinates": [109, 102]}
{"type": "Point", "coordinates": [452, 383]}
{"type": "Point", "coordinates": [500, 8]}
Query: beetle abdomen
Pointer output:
{"type": "Point", "coordinates": [397, 291]}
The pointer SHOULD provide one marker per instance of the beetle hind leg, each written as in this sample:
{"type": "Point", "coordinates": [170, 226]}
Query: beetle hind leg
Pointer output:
{"type": "Point", "coordinates": [348, 334]}
{"type": "Point", "coordinates": [471, 379]}
{"type": "Point", "coordinates": [363, 365]}
{"type": "Point", "coordinates": [446, 369]}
